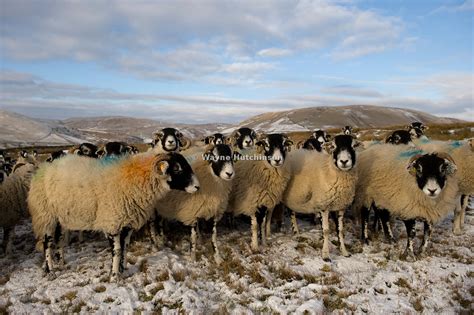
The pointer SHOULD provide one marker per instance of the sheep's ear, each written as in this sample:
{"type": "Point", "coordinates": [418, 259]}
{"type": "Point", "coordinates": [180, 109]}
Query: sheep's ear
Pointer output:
{"type": "Point", "coordinates": [179, 134]}
{"type": "Point", "coordinates": [300, 144]}
{"type": "Point", "coordinates": [209, 154]}
{"type": "Point", "coordinates": [329, 147]}
{"type": "Point", "coordinates": [158, 135]}
{"type": "Point", "coordinates": [328, 137]}
{"type": "Point", "coordinates": [288, 143]}
{"type": "Point", "coordinates": [451, 167]}
{"type": "Point", "coordinates": [260, 144]}
{"type": "Point", "coordinates": [389, 139]}
{"type": "Point", "coordinates": [356, 144]}
{"type": "Point", "coordinates": [236, 156]}
{"type": "Point", "coordinates": [411, 167]}
{"type": "Point", "coordinates": [161, 167]}
{"type": "Point", "coordinates": [35, 153]}
{"type": "Point", "coordinates": [235, 134]}
{"type": "Point", "coordinates": [100, 153]}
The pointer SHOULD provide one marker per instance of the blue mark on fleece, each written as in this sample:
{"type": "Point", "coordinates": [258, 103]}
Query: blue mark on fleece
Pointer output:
{"type": "Point", "coordinates": [410, 153]}
{"type": "Point", "coordinates": [424, 140]}
{"type": "Point", "coordinates": [456, 144]}
{"type": "Point", "coordinates": [109, 160]}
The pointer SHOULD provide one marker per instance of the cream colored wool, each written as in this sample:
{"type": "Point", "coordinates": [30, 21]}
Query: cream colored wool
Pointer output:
{"type": "Point", "coordinates": [257, 184]}
{"type": "Point", "coordinates": [13, 195]}
{"type": "Point", "coordinates": [88, 194]}
{"type": "Point", "coordinates": [317, 184]}
{"type": "Point", "coordinates": [210, 201]}
{"type": "Point", "coordinates": [385, 180]}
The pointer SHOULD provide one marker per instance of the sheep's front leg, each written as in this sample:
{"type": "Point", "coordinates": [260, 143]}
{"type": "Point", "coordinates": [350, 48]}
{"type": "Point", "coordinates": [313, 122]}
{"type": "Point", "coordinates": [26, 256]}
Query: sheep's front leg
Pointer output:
{"type": "Point", "coordinates": [8, 233]}
{"type": "Point", "coordinates": [254, 227]}
{"type": "Point", "coordinates": [340, 233]}
{"type": "Point", "coordinates": [428, 228]}
{"type": "Point", "coordinates": [364, 211]}
{"type": "Point", "coordinates": [261, 221]}
{"type": "Point", "coordinates": [325, 222]}
{"type": "Point", "coordinates": [268, 222]}
{"type": "Point", "coordinates": [410, 227]}
{"type": "Point", "coordinates": [193, 241]}
{"type": "Point", "coordinates": [217, 255]}
{"type": "Point", "coordinates": [114, 241]}
{"type": "Point", "coordinates": [125, 236]}
{"type": "Point", "coordinates": [156, 231]}
{"type": "Point", "coordinates": [294, 223]}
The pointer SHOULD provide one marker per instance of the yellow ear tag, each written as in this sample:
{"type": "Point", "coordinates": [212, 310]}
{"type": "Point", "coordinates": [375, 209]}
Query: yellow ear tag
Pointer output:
{"type": "Point", "coordinates": [163, 167]}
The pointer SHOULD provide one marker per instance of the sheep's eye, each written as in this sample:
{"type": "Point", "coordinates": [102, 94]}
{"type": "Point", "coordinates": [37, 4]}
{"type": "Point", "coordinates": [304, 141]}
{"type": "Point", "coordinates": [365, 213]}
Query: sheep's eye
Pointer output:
{"type": "Point", "coordinates": [177, 168]}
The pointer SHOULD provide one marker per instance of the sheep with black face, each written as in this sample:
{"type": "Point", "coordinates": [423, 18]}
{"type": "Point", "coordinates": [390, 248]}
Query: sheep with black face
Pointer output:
{"type": "Point", "coordinates": [316, 141]}
{"type": "Point", "coordinates": [400, 137]}
{"type": "Point", "coordinates": [260, 181]}
{"type": "Point", "coordinates": [215, 171]}
{"type": "Point", "coordinates": [215, 139]}
{"type": "Point", "coordinates": [243, 138]}
{"type": "Point", "coordinates": [417, 129]}
{"type": "Point", "coordinates": [116, 149]}
{"type": "Point", "coordinates": [169, 140]}
{"type": "Point", "coordinates": [324, 183]}
{"type": "Point", "coordinates": [409, 184]}
{"type": "Point", "coordinates": [78, 193]}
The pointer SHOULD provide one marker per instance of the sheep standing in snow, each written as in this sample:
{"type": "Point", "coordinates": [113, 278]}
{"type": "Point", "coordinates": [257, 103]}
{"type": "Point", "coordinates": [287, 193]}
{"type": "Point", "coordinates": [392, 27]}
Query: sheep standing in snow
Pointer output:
{"type": "Point", "coordinates": [421, 187]}
{"type": "Point", "coordinates": [463, 156]}
{"type": "Point", "coordinates": [259, 184]}
{"type": "Point", "coordinates": [324, 183]}
{"type": "Point", "coordinates": [77, 193]}
{"type": "Point", "coordinates": [215, 170]}
{"type": "Point", "coordinates": [13, 195]}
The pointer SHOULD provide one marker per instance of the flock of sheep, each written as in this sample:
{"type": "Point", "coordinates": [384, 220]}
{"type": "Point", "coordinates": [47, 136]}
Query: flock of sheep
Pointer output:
{"type": "Point", "coordinates": [117, 190]}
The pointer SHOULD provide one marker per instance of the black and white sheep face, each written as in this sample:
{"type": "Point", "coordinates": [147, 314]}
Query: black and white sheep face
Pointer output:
{"type": "Point", "coordinates": [274, 147]}
{"type": "Point", "coordinates": [321, 136]}
{"type": "Point", "coordinates": [55, 155]}
{"type": "Point", "coordinates": [342, 148]}
{"type": "Point", "coordinates": [169, 139]}
{"type": "Point", "coordinates": [115, 149]}
{"type": "Point", "coordinates": [215, 139]}
{"type": "Point", "coordinates": [221, 159]}
{"type": "Point", "coordinates": [431, 171]}
{"type": "Point", "coordinates": [244, 138]}
{"type": "Point", "coordinates": [87, 149]}
{"type": "Point", "coordinates": [399, 137]}
{"type": "Point", "coordinates": [347, 130]}
{"type": "Point", "coordinates": [179, 172]}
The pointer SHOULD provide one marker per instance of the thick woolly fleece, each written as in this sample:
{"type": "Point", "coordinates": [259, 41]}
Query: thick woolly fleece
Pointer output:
{"type": "Point", "coordinates": [257, 184]}
{"type": "Point", "coordinates": [210, 201]}
{"type": "Point", "coordinates": [386, 182]}
{"type": "Point", "coordinates": [88, 194]}
{"type": "Point", "coordinates": [13, 195]}
{"type": "Point", "coordinates": [317, 184]}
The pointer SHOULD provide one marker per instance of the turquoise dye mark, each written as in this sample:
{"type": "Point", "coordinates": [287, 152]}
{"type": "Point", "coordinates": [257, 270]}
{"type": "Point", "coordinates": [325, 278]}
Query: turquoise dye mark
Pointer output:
{"type": "Point", "coordinates": [456, 144]}
{"type": "Point", "coordinates": [109, 160]}
{"type": "Point", "coordinates": [424, 140]}
{"type": "Point", "coordinates": [410, 153]}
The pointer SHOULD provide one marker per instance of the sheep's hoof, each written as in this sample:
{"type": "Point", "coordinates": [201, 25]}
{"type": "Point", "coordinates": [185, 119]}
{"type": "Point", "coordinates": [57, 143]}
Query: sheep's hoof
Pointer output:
{"type": "Point", "coordinates": [114, 278]}
{"type": "Point", "coordinates": [346, 254]}
{"type": "Point", "coordinates": [218, 259]}
{"type": "Point", "coordinates": [408, 256]}
{"type": "Point", "coordinates": [50, 276]}
{"type": "Point", "coordinates": [193, 256]}
{"type": "Point", "coordinates": [457, 231]}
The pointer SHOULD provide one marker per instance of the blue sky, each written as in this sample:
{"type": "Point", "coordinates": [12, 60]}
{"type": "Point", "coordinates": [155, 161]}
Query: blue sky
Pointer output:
{"type": "Point", "coordinates": [224, 61]}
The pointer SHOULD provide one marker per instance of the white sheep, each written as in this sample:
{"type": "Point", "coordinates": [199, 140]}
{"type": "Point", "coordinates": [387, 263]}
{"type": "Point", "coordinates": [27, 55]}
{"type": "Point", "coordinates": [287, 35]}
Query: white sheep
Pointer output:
{"type": "Point", "coordinates": [463, 156]}
{"type": "Point", "coordinates": [408, 185]}
{"type": "Point", "coordinates": [260, 182]}
{"type": "Point", "coordinates": [13, 195]}
{"type": "Point", "coordinates": [115, 197]}
{"type": "Point", "coordinates": [324, 183]}
{"type": "Point", "coordinates": [215, 170]}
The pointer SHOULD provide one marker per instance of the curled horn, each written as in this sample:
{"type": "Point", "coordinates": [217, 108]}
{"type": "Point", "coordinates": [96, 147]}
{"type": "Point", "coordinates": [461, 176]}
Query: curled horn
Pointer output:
{"type": "Point", "coordinates": [300, 144]}
{"type": "Point", "coordinates": [185, 143]}
{"type": "Point", "coordinates": [445, 156]}
{"type": "Point", "coordinates": [414, 158]}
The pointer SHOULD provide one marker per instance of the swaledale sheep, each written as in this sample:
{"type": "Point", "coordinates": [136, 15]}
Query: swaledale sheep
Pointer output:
{"type": "Point", "coordinates": [399, 137]}
{"type": "Point", "coordinates": [315, 141]}
{"type": "Point", "coordinates": [324, 183]}
{"type": "Point", "coordinates": [13, 207]}
{"type": "Point", "coordinates": [85, 149]}
{"type": "Point", "coordinates": [408, 185]}
{"type": "Point", "coordinates": [215, 170]}
{"type": "Point", "coordinates": [243, 138]}
{"type": "Point", "coordinates": [215, 139]}
{"type": "Point", "coordinates": [463, 156]}
{"type": "Point", "coordinates": [169, 140]}
{"type": "Point", "coordinates": [115, 198]}
{"type": "Point", "coordinates": [259, 184]}
{"type": "Point", "coordinates": [116, 149]}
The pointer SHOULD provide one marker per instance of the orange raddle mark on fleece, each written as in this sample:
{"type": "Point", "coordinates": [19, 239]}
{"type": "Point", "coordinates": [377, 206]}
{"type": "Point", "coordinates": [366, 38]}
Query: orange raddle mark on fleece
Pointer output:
{"type": "Point", "coordinates": [137, 169]}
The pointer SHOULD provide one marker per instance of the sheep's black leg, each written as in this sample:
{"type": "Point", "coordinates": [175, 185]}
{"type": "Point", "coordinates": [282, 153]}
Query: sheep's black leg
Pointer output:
{"type": "Point", "coordinates": [340, 233]}
{"type": "Point", "coordinates": [364, 211]}
{"type": "Point", "coordinates": [335, 217]}
{"type": "Point", "coordinates": [59, 240]}
{"type": "Point", "coordinates": [125, 235]}
{"type": "Point", "coordinates": [377, 219]}
{"type": "Point", "coordinates": [426, 237]}
{"type": "Point", "coordinates": [8, 240]}
{"type": "Point", "coordinates": [280, 217]}
{"type": "Point", "coordinates": [410, 226]}
{"type": "Point", "coordinates": [294, 223]}
{"type": "Point", "coordinates": [48, 245]}
{"type": "Point", "coordinates": [261, 222]}
{"type": "Point", "coordinates": [217, 256]}
{"type": "Point", "coordinates": [114, 241]}
{"type": "Point", "coordinates": [387, 229]}
{"type": "Point", "coordinates": [193, 241]}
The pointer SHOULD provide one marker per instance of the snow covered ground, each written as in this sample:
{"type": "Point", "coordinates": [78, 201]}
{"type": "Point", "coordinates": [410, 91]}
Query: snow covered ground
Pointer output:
{"type": "Point", "coordinates": [287, 276]}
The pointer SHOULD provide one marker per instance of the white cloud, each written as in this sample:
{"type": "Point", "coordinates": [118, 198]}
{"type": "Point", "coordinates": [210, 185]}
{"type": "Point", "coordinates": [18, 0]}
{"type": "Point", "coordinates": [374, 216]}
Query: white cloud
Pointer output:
{"type": "Point", "coordinates": [274, 52]}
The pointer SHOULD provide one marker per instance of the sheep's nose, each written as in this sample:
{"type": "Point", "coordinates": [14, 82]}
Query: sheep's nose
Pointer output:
{"type": "Point", "coordinates": [432, 191]}
{"type": "Point", "coordinates": [197, 187]}
{"type": "Point", "coordinates": [248, 142]}
{"type": "Point", "coordinates": [170, 141]}
{"type": "Point", "coordinates": [344, 162]}
{"type": "Point", "coordinates": [229, 174]}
